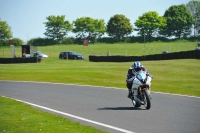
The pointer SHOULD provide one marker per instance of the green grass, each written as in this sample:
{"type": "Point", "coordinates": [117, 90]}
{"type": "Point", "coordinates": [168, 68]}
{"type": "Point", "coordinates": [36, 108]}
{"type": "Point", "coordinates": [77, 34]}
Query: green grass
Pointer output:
{"type": "Point", "coordinates": [16, 117]}
{"type": "Point", "coordinates": [114, 49]}
{"type": "Point", "coordinates": [171, 76]}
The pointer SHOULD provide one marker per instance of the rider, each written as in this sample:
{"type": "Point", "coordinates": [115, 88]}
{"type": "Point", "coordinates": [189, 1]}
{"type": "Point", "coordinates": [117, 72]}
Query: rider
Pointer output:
{"type": "Point", "coordinates": [137, 66]}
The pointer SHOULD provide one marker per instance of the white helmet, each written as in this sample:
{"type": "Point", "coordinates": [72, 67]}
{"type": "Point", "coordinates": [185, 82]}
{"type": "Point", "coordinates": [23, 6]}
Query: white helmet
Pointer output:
{"type": "Point", "coordinates": [137, 66]}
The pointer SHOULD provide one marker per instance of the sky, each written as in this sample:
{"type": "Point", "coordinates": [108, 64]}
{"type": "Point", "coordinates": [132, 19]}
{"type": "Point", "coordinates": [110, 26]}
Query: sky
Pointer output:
{"type": "Point", "coordinates": [26, 17]}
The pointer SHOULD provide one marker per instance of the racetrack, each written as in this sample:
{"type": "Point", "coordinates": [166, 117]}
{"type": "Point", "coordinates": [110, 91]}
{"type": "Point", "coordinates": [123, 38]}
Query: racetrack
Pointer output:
{"type": "Point", "coordinates": [109, 107]}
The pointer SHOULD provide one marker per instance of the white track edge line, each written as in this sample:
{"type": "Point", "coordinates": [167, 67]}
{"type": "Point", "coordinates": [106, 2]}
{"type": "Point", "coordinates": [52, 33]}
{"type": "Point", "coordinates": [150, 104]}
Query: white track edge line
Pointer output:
{"type": "Point", "coordinates": [73, 116]}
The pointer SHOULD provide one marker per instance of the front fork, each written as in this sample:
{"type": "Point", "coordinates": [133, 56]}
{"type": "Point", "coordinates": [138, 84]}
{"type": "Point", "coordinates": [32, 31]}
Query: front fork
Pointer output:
{"type": "Point", "coordinates": [138, 91]}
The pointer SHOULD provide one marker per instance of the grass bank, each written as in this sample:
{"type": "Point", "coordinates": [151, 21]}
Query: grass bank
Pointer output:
{"type": "Point", "coordinates": [128, 49]}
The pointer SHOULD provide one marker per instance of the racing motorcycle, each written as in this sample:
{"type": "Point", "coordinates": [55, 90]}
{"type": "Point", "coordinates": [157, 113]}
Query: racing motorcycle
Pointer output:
{"type": "Point", "coordinates": [141, 88]}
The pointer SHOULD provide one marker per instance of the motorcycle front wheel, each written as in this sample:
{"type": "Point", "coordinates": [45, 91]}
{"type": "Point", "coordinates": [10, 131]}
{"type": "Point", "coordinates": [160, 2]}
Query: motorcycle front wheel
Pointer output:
{"type": "Point", "coordinates": [147, 102]}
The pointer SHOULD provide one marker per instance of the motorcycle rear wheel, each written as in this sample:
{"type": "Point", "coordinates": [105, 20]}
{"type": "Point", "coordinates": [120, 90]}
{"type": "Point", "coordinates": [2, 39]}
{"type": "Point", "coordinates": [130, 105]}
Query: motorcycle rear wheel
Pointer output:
{"type": "Point", "coordinates": [136, 104]}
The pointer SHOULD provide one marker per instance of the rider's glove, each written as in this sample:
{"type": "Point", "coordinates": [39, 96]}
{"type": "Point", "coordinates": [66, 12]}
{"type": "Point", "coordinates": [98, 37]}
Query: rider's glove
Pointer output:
{"type": "Point", "coordinates": [149, 75]}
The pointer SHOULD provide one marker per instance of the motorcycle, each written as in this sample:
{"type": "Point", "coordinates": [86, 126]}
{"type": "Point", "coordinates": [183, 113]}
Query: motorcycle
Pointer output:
{"type": "Point", "coordinates": [141, 88]}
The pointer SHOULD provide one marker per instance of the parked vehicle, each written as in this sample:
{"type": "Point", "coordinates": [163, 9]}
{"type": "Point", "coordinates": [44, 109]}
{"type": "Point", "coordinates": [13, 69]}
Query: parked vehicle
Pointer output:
{"type": "Point", "coordinates": [40, 55]}
{"type": "Point", "coordinates": [26, 55]}
{"type": "Point", "coordinates": [165, 52]}
{"type": "Point", "coordinates": [71, 55]}
{"type": "Point", "coordinates": [141, 83]}
{"type": "Point", "coordinates": [197, 48]}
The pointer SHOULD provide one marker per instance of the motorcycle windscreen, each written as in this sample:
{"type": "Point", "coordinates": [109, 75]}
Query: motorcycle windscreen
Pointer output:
{"type": "Point", "coordinates": [141, 75]}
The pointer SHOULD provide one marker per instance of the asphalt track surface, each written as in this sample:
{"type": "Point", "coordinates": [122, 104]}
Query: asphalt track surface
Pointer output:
{"type": "Point", "coordinates": [108, 108]}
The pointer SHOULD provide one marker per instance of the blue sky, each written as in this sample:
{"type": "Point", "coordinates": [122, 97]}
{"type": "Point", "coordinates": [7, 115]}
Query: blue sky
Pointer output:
{"type": "Point", "coordinates": [26, 17]}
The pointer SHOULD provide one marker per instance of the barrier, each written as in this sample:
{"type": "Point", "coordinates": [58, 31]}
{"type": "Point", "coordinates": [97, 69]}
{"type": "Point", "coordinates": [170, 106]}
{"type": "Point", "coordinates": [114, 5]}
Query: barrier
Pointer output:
{"type": "Point", "coordinates": [193, 54]}
{"type": "Point", "coordinates": [19, 60]}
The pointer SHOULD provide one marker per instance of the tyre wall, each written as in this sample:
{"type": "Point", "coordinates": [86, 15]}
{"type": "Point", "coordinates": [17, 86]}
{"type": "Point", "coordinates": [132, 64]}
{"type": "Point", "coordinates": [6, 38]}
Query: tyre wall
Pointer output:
{"type": "Point", "coordinates": [194, 54]}
{"type": "Point", "coordinates": [19, 60]}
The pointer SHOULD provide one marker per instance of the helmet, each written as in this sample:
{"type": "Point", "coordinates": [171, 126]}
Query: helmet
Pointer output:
{"type": "Point", "coordinates": [137, 66]}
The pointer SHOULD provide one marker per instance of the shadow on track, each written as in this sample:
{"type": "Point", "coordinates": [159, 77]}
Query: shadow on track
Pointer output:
{"type": "Point", "coordinates": [120, 108]}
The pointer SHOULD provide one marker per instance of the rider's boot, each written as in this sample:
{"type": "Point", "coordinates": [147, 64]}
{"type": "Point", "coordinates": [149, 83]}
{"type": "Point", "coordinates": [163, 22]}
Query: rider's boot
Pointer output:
{"type": "Point", "coordinates": [129, 94]}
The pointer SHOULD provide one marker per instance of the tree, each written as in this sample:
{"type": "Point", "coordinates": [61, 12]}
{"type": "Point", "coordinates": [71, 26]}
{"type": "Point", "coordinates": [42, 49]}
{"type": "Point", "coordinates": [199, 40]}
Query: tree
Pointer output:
{"type": "Point", "coordinates": [194, 7]}
{"type": "Point", "coordinates": [149, 23]}
{"type": "Point", "coordinates": [57, 27]}
{"type": "Point", "coordinates": [179, 22]}
{"type": "Point", "coordinates": [89, 28]}
{"type": "Point", "coordinates": [119, 26]}
{"type": "Point", "coordinates": [17, 41]}
{"type": "Point", "coordinates": [5, 31]}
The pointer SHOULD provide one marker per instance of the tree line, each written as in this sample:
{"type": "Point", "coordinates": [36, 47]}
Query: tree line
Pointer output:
{"type": "Point", "coordinates": [178, 22]}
